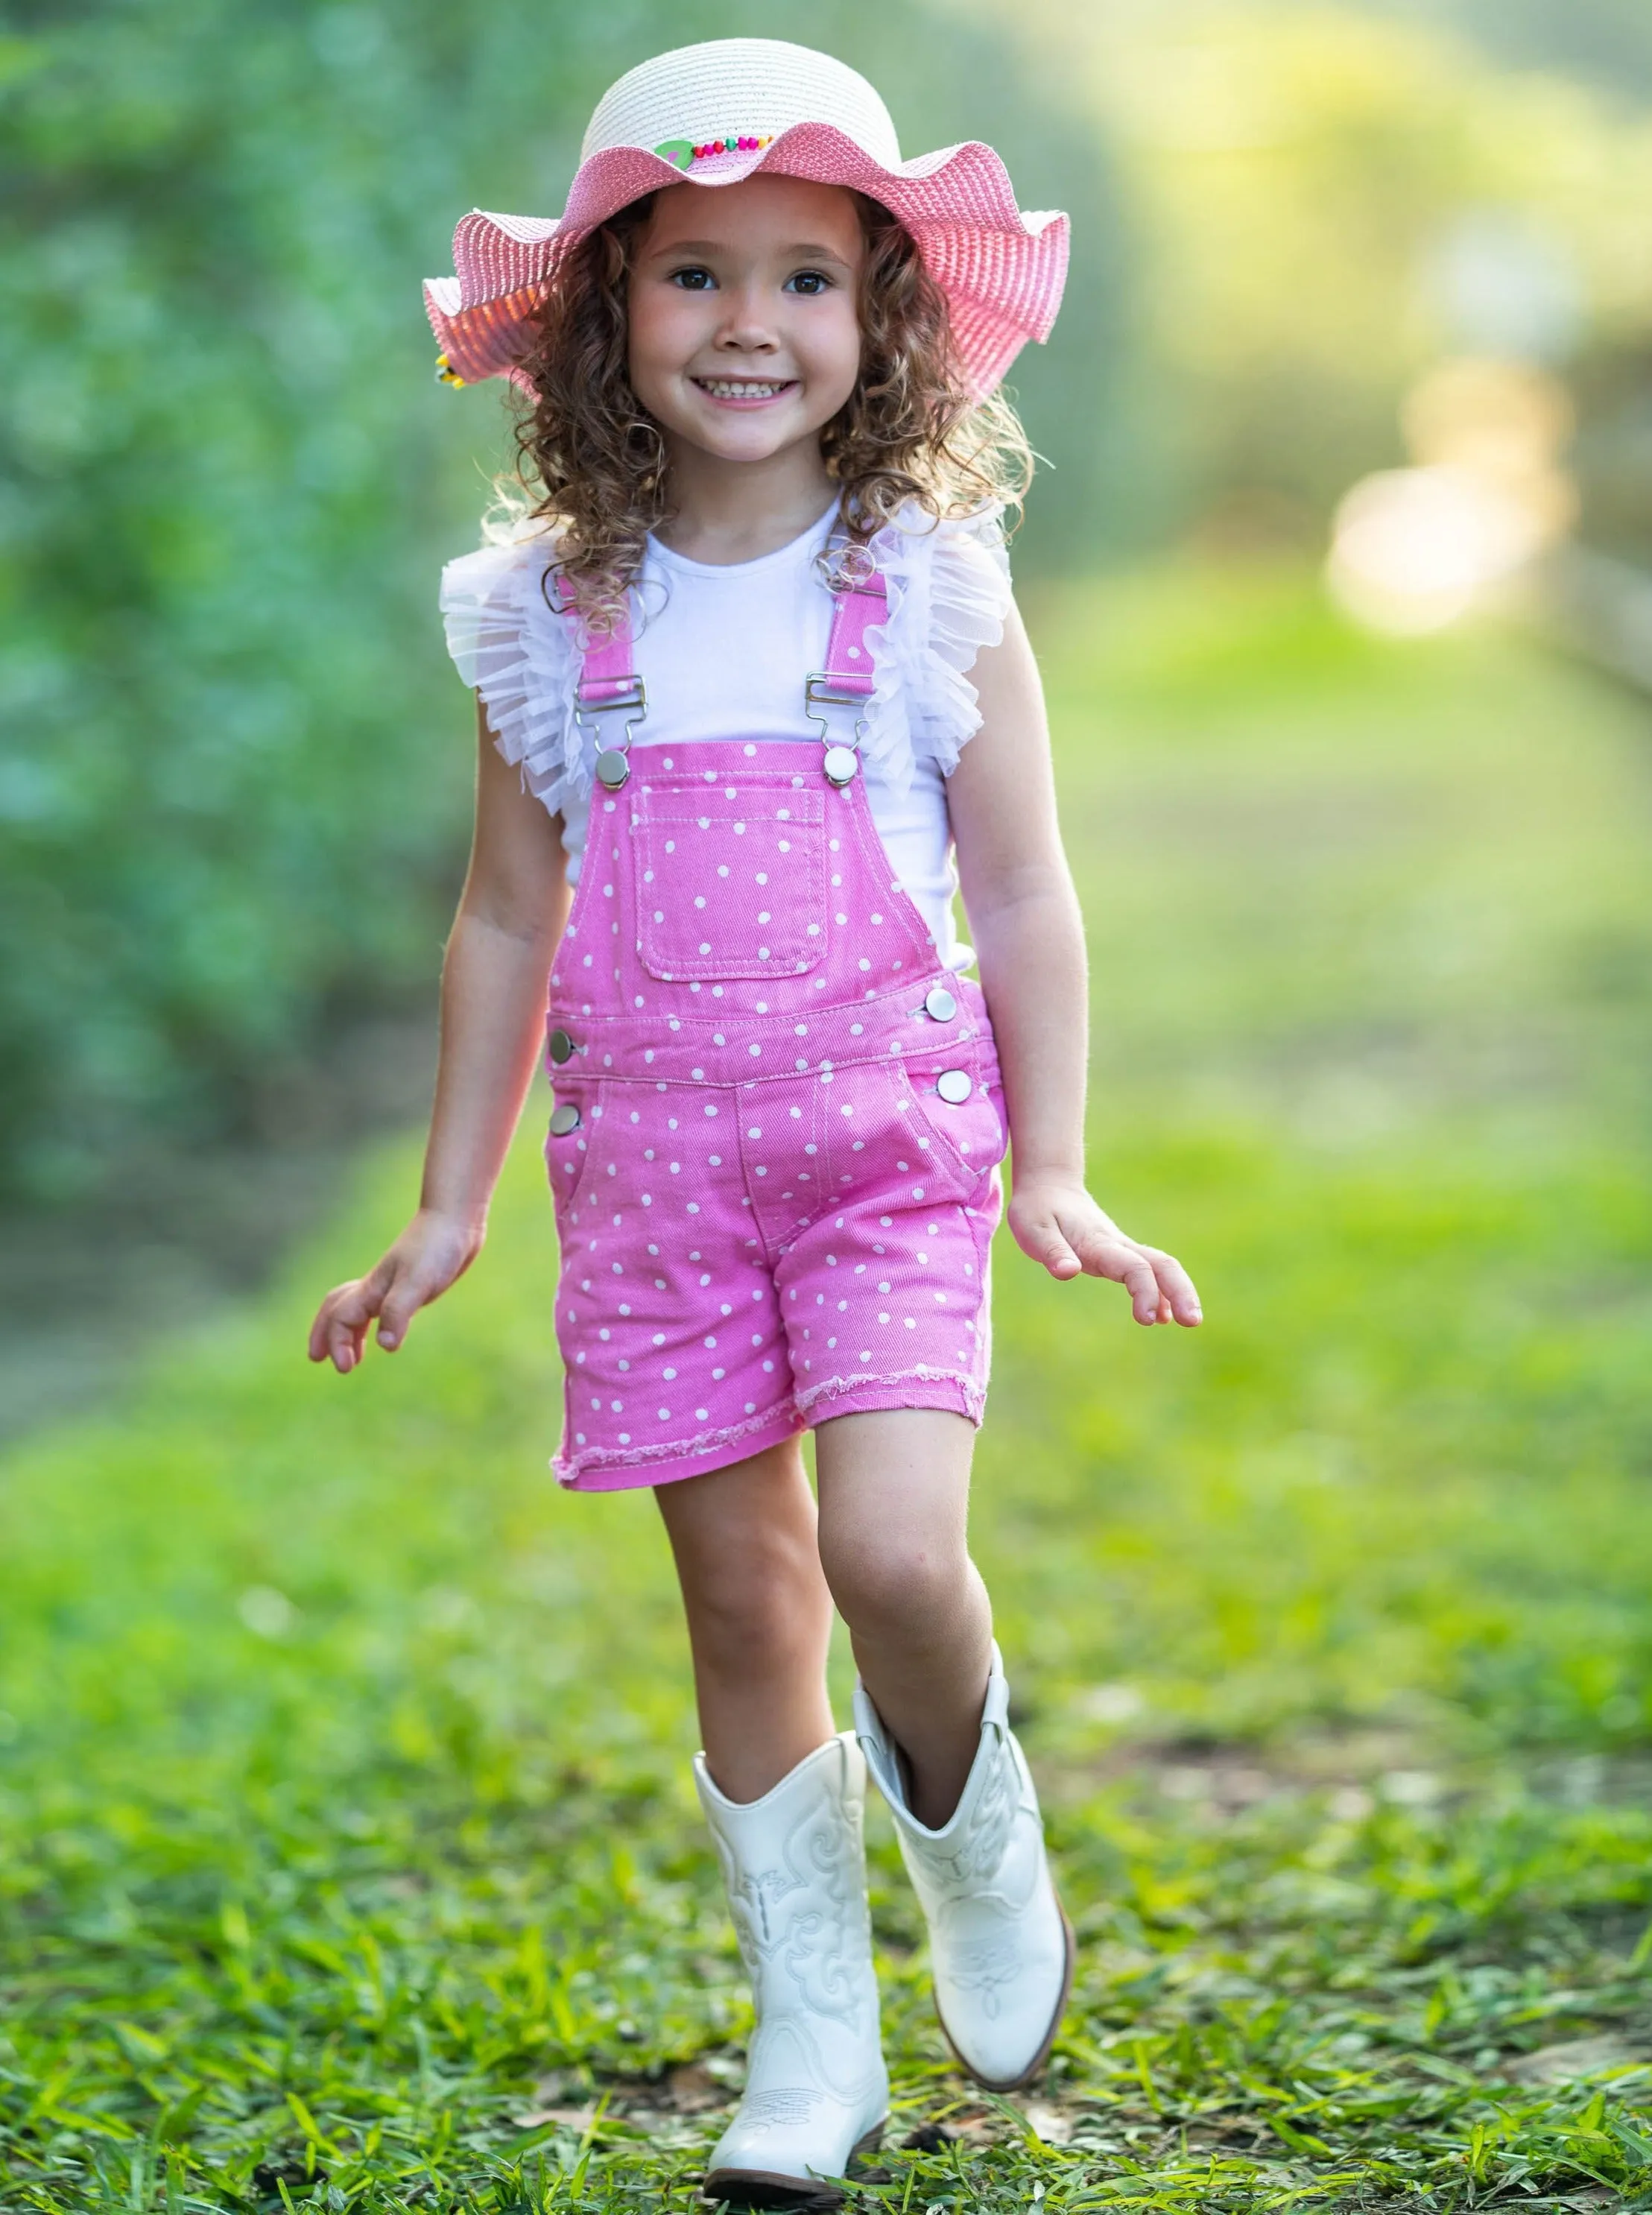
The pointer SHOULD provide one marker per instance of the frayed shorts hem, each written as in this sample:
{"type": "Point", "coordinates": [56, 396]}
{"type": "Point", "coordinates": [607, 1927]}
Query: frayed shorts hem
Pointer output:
{"type": "Point", "coordinates": [630, 1469]}
{"type": "Point", "coordinates": [925, 1387]}
{"type": "Point", "coordinates": [623, 1469]}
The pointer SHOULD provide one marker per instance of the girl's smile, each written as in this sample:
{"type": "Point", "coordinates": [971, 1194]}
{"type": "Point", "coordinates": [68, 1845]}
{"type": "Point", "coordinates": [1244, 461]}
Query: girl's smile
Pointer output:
{"type": "Point", "coordinates": [744, 392]}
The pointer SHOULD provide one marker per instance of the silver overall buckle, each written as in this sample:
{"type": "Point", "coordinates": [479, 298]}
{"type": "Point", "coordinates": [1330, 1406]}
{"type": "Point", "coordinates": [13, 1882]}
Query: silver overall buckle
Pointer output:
{"type": "Point", "coordinates": [613, 763]}
{"type": "Point", "coordinates": [821, 691]}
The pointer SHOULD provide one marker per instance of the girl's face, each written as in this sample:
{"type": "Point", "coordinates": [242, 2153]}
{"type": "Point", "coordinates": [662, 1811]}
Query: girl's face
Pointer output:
{"type": "Point", "coordinates": [744, 314]}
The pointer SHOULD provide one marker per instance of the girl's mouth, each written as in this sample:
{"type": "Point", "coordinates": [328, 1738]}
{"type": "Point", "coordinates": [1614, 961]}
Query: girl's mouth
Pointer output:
{"type": "Point", "coordinates": [744, 392]}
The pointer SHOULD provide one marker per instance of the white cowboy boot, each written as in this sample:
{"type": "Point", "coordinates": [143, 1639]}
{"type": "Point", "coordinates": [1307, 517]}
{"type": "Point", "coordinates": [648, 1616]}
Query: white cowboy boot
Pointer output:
{"type": "Point", "coordinates": [817, 2090]}
{"type": "Point", "coordinates": [1000, 1946]}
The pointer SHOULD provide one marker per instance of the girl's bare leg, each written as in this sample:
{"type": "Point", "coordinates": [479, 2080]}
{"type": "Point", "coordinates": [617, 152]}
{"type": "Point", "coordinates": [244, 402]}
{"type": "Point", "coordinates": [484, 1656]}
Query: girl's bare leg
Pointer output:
{"type": "Point", "coordinates": [894, 1503]}
{"type": "Point", "coordinates": [759, 1614]}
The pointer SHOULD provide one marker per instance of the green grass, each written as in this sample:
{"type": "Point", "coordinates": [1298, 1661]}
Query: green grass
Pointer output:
{"type": "Point", "coordinates": [347, 1853]}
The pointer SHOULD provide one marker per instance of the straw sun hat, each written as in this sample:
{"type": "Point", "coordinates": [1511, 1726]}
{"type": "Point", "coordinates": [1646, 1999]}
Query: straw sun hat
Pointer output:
{"type": "Point", "coordinates": [712, 114]}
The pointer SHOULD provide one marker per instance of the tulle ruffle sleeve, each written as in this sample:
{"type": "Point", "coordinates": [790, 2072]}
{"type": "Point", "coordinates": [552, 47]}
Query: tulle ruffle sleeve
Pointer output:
{"type": "Point", "coordinates": [949, 593]}
{"type": "Point", "coordinates": [522, 657]}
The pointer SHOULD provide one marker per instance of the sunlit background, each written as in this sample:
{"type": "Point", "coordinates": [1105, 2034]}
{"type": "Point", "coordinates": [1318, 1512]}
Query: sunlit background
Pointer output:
{"type": "Point", "coordinates": [1363, 288]}
{"type": "Point", "coordinates": [346, 1854]}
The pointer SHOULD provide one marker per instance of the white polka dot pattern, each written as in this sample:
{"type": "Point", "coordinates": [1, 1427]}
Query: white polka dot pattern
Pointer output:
{"type": "Point", "coordinates": [769, 1213]}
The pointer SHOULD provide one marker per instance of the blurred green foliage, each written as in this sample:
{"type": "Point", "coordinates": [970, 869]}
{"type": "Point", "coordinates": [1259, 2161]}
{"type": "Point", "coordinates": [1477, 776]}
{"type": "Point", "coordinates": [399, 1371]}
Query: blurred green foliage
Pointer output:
{"type": "Point", "coordinates": [234, 760]}
{"type": "Point", "coordinates": [347, 1846]}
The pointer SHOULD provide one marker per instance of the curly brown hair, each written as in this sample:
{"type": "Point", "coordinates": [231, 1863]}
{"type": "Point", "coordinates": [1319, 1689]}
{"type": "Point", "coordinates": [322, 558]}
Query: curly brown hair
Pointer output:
{"type": "Point", "coordinates": [910, 431]}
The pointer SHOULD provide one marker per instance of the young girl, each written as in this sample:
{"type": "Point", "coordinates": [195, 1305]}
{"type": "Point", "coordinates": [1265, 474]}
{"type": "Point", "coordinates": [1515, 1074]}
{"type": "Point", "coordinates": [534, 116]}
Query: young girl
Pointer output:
{"type": "Point", "coordinates": [747, 682]}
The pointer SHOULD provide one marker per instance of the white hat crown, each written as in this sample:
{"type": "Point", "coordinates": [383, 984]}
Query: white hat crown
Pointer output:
{"type": "Point", "coordinates": [744, 86]}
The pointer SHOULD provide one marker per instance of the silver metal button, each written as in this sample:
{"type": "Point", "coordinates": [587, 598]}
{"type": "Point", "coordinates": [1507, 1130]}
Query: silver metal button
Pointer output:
{"type": "Point", "coordinates": [954, 1086]}
{"type": "Point", "coordinates": [561, 1045]}
{"type": "Point", "coordinates": [841, 765]}
{"type": "Point", "coordinates": [565, 1117]}
{"type": "Point", "coordinates": [939, 1003]}
{"type": "Point", "coordinates": [612, 767]}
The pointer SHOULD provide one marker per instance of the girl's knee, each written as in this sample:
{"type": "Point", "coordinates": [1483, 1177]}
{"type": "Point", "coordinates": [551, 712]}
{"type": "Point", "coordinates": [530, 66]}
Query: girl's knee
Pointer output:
{"type": "Point", "coordinates": [897, 1584]}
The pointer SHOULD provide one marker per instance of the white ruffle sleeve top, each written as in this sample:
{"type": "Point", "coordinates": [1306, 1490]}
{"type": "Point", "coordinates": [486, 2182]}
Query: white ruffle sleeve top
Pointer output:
{"type": "Point", "coordinates": [724, 652]}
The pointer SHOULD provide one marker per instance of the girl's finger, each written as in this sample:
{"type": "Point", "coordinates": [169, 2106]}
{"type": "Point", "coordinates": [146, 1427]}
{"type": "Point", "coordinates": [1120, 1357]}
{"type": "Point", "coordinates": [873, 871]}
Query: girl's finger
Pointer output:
{"type": "Point", "coordinates": [402, 1303]}
{"type": "Point", "coordinates": [324, 1336]}
{"type": "Point", "coordinates": [353, 1308]}
{"type": "Point", "coordinates": [1113, 1255]}
{"type": "Point", "coordinates": [1143, 1288]}
{"type": "Point", "coordinates": [343, 1344]}
{"type": "Point", "coordinates": [320, 1329]}
{"type": "Point", "coordinates": [1097, 1246]}
{"type": "Point", "coordinates": [1129, 1266]}
{"type": "Point", "coordinates": [1176, 1286]}
{"type": "Point", "coordinates": [1043, 1241]}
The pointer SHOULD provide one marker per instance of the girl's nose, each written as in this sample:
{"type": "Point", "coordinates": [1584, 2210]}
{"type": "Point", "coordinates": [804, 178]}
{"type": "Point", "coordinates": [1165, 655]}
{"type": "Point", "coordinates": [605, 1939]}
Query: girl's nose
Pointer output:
{"type": "Point", "coordinates": [744, 328]}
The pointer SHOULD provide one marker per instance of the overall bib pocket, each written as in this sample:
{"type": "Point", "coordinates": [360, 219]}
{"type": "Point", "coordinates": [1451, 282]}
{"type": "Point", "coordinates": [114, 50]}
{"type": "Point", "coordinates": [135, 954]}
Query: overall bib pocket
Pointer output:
{"type": "Point", "coordinates": [729, 882]}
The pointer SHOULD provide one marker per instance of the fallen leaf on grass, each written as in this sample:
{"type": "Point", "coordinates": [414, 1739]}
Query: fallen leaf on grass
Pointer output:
{"type": "Point", "coordinates": [1571, 2057]}
{"type": "Point", "coordinates": [573, 2118]}
{"type": "Point", "coordinates": [693, 2088]}
{"type": "Point", "coordinates": [1051, 2124]}
{"type": "Point", "coordinates": [978, 2126]}
{"type": "Point", "coordinates": [647, 2121]}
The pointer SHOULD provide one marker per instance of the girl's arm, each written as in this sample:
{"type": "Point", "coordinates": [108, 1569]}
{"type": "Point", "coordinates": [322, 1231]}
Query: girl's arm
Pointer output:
{"type": "Point", "coordinates": [1028, 938]}
{"type": "Point", "coordinates": [498, 957]}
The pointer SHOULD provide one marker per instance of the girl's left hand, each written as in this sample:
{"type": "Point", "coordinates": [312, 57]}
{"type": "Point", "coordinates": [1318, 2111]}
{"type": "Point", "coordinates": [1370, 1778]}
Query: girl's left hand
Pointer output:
{"type": "Point", "coordinates": [1055, 1221]}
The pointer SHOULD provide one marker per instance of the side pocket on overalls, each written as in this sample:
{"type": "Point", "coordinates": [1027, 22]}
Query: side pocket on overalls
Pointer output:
{"type": "Point", "coordinates": [571, 1142]}
{"type": "Point", "coordinates": [958, 1106]}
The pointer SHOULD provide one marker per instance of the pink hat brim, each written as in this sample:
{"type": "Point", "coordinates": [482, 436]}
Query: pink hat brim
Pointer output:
{"type": "Point", "coordinates": [1002, 271]}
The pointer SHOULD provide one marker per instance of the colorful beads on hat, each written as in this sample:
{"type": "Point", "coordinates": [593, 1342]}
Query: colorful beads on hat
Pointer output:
{"type": "Point", "coordinates": [445, 372]}
{"type": "Point", "coordinates": [682, 153]}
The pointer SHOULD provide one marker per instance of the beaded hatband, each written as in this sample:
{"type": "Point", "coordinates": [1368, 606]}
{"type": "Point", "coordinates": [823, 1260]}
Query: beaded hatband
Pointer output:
{"type": "Point", "coordinates": [684, 153]}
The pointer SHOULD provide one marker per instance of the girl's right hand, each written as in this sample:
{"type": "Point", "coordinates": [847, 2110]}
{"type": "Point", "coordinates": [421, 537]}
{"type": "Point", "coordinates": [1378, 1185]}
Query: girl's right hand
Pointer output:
{"type": "Point", "coordinates": [431, 1252]}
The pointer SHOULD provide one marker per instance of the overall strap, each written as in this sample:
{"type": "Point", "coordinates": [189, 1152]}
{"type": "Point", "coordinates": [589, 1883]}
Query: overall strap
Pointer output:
{"type": "Point", "coordinates": [608, 682]}
{"type": "Point", "coordinates": [857, 608]}
{"type": "Point", "coordinates": [859, 601]}
{"type": "Point", "coordinates": [608, 678]}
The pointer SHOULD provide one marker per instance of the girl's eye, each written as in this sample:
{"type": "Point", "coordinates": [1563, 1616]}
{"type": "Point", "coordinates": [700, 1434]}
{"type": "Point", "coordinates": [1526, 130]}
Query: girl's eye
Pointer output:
{"type": "Point", "coordinates": [693, 280]}
{"type": "Point", "coordinates": [809, 282]}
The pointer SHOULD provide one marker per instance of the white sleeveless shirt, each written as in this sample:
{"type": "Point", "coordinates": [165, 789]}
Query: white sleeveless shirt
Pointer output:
{"type": "Point", "coordinates": [724, 651]}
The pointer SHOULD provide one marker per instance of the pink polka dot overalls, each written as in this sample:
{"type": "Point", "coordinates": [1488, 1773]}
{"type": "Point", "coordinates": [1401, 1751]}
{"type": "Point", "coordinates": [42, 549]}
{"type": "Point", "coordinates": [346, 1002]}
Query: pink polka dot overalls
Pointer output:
{"type": "Point", "coordinates": [777, 1126]}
